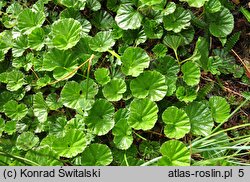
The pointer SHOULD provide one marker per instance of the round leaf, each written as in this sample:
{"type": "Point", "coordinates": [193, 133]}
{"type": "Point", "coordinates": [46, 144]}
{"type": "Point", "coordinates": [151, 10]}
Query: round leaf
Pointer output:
{"type": "Point", "coordinates": [122, 132]}
{"type": "Point", "coordinates": [40, 107]}
{"type": "Point", "coordinates": [14, 110]}
{"type": "Point", "coordinates": [102, 41]}
{"type": "Point", "coordinates": [95, 155]}
{"type": "Point", "coordinates": [221, 23]}
{"type": "Point", "coordinates": [36, 39]}
{"type": "Point", "coordinates": [26, 141]}
{"type": "Point", "coordinates": [220, 108]}
{"type": "Point", "coordinates": [28, 20]}
{"type": "Point", "coordinates": [195, 3]}
{"type": "Point", "coordinates": [177, 21]}
{"type": "Point", "coordinates": [66, 33]}
{"type": "Point", "coordinates": [100, 119]}
{"type": "Point", "coordinates": [70, 144]}
{"type": "Point", "coordinates": [191, 73]}
{"type": "Point", "coordinates": [15, 80]}
{"type": "Point", "coordinates": [177, 122]}
{"type": "Point", "coordinates": [200, 118]}
{"type": "Point", "coordinates": [102, 76]}
{"type": "Point", "coordinates": [143, 114]}
{"type": "Point", "coordinates": [113, 90]}
{"type": "Point", "coordinates": [167, 66]}
{"type": "Point", "coordinates": [134, 61]}
{"type": "Point", "coordinates": [44, 156]}
{"type": "Point", "coordinates": [128, 18]}
{"type": "Point", "coordinates": [149, 84]}
{"type": "Point", "coordinates": [77, 4]}
{"type": "Point", "coordinates": [175, 153]}
{"type": "Point", "coordinates": [186, 94]}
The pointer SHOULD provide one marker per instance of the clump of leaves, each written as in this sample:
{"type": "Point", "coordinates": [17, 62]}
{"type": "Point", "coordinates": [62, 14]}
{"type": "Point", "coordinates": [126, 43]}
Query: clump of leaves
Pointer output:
{"type": "Point", "coordinates": [127, 83]}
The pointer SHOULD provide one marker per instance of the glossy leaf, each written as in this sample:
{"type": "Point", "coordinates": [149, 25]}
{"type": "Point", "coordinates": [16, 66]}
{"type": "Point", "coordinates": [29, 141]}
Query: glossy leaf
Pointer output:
{"type": "Point", "coordinates": [178, 20]}
{"type": "Point", "coordinates": [15, 80]}
{"type": "Point", "coordinates": [102, 76]}
{"type": "Point", "coordinates": [40, 107]}
{"type": "Point", "coordinates": [177, 122]}
{"type": "Point", "coordinates": [102, 41]}
{"type": "Point", "coordinates": [134, 61]}
{"type": "Point", "coordinates": [95, 155]}
{"type": "Point", "coordinates": [100, 118]}
{"type": "Point", "coordinates": [14, 110]}
{"type": "Point", "coordinates": [114, 90]}
{"type": "Point", "coordinates": [200, 118]}
{"type": "Point", "coordinates": [128, 18]}
{"type": "Point", "coordinates": [195, 3]}
{"type": "Point", "coordinates": [143, 114]}
{"type": "Point", "coordinates": [186, 94]}
{"type": "Point", "coordinates": [175, 153]}
{"type": "Point", "coordinates": [191, 73]}
{"type": "Point", "coordinates": [26, 141]}
{"type": "Point", "coordinates": [70, 144]}
{"type": "Point", "coordinates": [220, 108]}
{"type": "Point", "coordinates": [36, 39]}
{"type": "Point", "coordinates": [66, 33]}
{"type": "Point", "coordinates": [150, 84]}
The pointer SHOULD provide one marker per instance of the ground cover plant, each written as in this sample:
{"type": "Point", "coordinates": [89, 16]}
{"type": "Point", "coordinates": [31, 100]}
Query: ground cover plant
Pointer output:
{"type": "Point", "coordinates": [124, 82]}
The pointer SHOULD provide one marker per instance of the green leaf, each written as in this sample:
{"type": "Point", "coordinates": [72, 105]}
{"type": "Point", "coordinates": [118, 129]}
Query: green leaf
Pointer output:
{"type": "Point", "coordinates": [191, 73]}
{"type": "Point", "coordinates": [195, 3]}
{"type": "Point", "coordinates": [28, 20]}
{"type": "Point", "coordinates": [77, 4]}
{"type": "Point", "coordinates": [66, 33]}
{"type": "Point", "coordinates": [2, 126]}
{"type": "Point", "coordinates": [44, 156]}
{"type": "Point", "coordinates": [95, 155]}
{"type": "Point", "coordinates": [152, 29]}
{"type": "Point", "coordinates": [173, 41]}
{"type": "Point", "coordinates": [200, 118]}
{"type": "Point", "coordinates": [102, 41]}
{"type": "Point", "coordinates": [14, 110]}
{"type": "Point", "coordinates": [150, 84]}
{"type": "Point", "coordinates": [177, 122]}
{"type": "Point", "coordinates": [213, 6]}
{"type": "Point", "coordinates": [10, 127]}
{"type": "Point", "coordinates": [175, 153]}
{"type": "Point", "coordinates": [186, 94]}
{"type": "Point", "coordinates": [167, 66]}
{"type": "Point", "coordinates": [94, 5]}
{"type": "Point", "coordinates": [40, 107]}
{"type": "Point", "coordinates": [70, 144]}
{"type": "Point", "coordinates": [19, 46]}
{"type": "Point", "coordinates": [143, 114]}
{"type": "Point", "coordinates": [128, 18]}
{"type": "Point", "coordinates": [177, 21]}
{"type": "Point", "coordinates": [134, 61]}
{"type": "Point", "coordinates": [220, 108]}
{"type": "Point", "coordinates": [122, 132]}
{"type": "Point", "coordinates": [114, 90]}
{"type": "Point", "coordinates": [246, 13]}
{"type": "Point", "coordinates": [53, 102]}
{"type": "Point", "coordinates": [102, 76]}
{"type": "Point", "coordinates": [36, 39]}
{"type": "Point", "coordinates": [26, 141]}
{"type": "Point", "coordinates": [170, 8]}
{"type": "Point", "coordinates": [160, 50]}
{"type": "Point", "coordinates": [73, 94]}
{"type": "Point", "coordinates": [100, 118]}
{"type": "Point", "coordinates": [15, 80]}
{"type": "Point", "coordinates": [102, 20]}
{"type": "Point", "coordinates": [221, 23]}
{"type": "Point", "coordinates": [62, 63]}
{"type": "Point", "coordinates": [149, 149]}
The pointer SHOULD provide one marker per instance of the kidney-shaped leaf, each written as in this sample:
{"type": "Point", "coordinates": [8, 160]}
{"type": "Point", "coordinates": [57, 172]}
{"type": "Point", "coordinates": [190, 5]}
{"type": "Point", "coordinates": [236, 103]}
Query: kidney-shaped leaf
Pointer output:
{"type": "Point", "coordinates": [221, 23]}
{"type": "Point", "coordinates": [175, 153]}
{"type": "Point", "coordinates": [36, 39]}
{"type": "Point", "coordinates": [95, 155]}
{"type": "Point", "coordinates": [149, 84]}
{"type": "Point", "coordinates": [200, 118]}
{"type": "Point", "coordinates": [100, 118]}
{"type": "Point", "coordinates": [177, 21]}
{"type": "Point", "coordinates": [40, 107]}
{"type": "Point", "coordinates": [70, 144]}
{"type": "Point", "coordinates": [143, 114]}
{"type": "Point", "coordinates": [102, 76]}
{"type": "Point", "coordinates": [134, 61]}
{"type": "Point", "coordinates": [62, 63]}
{"type": "Point", "coordinates": [177, 122]}
{"type": "Point", "coordinates": [15, 80]}
{"type": "Point", "coordinates": [128, 18]}
{"type": "Point", "coordinates": [28, 20]}
{"type": "Point", "coordinates": [220, 108]}
{"type": "Point", "coordinates": [66, 33]}
{"type": "Point", "coordinates": [186, 94]}
{"type": "Point", "coordinates": [113, 90]}
{"type": "Point", "coordinates": [14, 110]}
{"type": "Point", "coordinates": [195, 3]}
{"type": "Point", "coordinates": [77, 4]}
{"type": "Point", "coordinates": [191, 73]}
{"type": "Point", "coordinates": [26, 141]}
{"type": "Point", "coordinates": [102, 41]}
{"type": "Point", "coordinates": [122, 132]}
